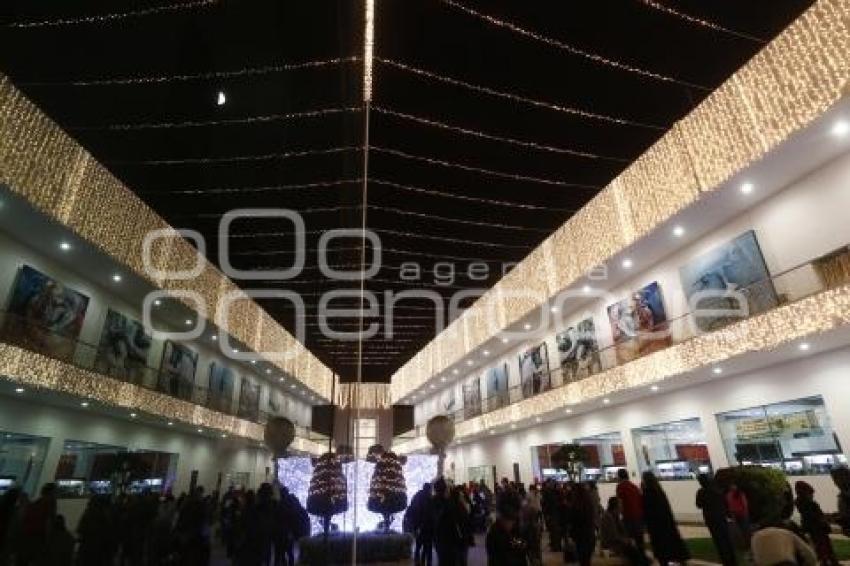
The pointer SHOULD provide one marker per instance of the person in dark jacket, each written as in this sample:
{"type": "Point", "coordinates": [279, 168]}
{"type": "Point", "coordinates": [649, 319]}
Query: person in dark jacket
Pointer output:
{"type": "Point", "coordinates": [448, 528]}
{"type": "Point", "coordinates": [841, 479]}
{"type": "Point", "coordinates": [583, 524]}
{"type": "Point", "coordinates": [667, 543]}
{"type": "Point", "coordinates": [60, 544]}
{"type": "Point", "coordinates": [420, 520]}
{"type": "Point", "coordinates": [814, 523]}
{"type": "Point", "coordinates": [503, 544]}
{"type": "Point", "coordinates": [711, 501]}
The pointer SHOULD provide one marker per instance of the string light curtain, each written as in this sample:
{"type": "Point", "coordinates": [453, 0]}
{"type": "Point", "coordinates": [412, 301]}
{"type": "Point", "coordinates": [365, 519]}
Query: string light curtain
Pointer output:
{"type": "Point", "coordinates": [367, 396]}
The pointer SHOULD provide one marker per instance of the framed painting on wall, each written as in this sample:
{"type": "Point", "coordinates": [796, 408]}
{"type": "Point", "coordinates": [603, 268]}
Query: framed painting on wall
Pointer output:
{"type": "Point", "coordinates": [496, 379]}
{"type": "Point", "coordinates": [728, 283]}
{"type": "Point", "coordinates": [448, 401]}
{"type": "Point", "coordinates": [44, 315]}
{"type": "Point", "coordinates": [177, 371]}
{"type": "Point", "coordinates": [534, 371]}
{"type": "Point", "coordinates": [124, 348]}
{"type": "Point", "coordinates": [472, 398]}
{"type": "Point", "coordinates": [221, 386]}
{"type": "Point", "coordinates": [639, 324]}
{"type": "Point", "coordinates": [579, 351]}
{"type": "Point", "coordinates": [249, 400]}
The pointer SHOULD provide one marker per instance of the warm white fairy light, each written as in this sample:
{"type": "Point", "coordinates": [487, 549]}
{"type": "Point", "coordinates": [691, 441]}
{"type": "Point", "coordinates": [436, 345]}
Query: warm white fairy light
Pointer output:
{"type": "Point", "coordinates": [368, 48]}
{"type": "Point", "coordinates": [113, 17]}
{"type": "Point", "coordinates": [241, 158]}
{"type": "Point", "coordinates": [699, 21]}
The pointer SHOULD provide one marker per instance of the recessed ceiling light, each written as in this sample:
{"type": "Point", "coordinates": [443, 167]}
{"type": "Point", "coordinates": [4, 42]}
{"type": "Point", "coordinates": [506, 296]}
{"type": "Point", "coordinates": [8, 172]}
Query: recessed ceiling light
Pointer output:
{"type": "Point", "coordinates": [268, 371]}
{"type": "Point", "coordinates": [64, 246]}
{"type": "Point", "coordinates": [606, 400]}
{"type": "Point", "coordinates": [157, 303]}
{"type": "Point", "coordinates": [132, 415]}
{"type": "Point", "coordinates": [19, 389]}
{"type": "Point", "coordinates": [200, 430]}
{"type": "Point", "coordinates": [678, 231]}
{"type": "Point", "coordinates": [587, 289]}
{"type": "Point", "coordinates": [553, 309]}
{"type": "Point", "coordinates": [455, 371]}
{"type": "Point", "coordinates": [235, 351]}
{"type": "Point", "coordinates": [486, 352]}
{"type": "Point", "coordinates": [654, 388]}
{"type": "Point", "coordinates": [188, 322]}
{"type": "Point", "coordinates": [841, 128]}
{"type": "Point", "coordinates": [505, 340]}
{"type": "Point", "coordinates": [433, 386]}
{"type": "Point", "coordinates": [747, 188]}
{"type": "Point", "coordinates": [568, 410]}
{"type": "Point", "coordinates": [221, 98]}
{"type": "Point", "coordinates": [253, 362]}
{"type": "Point", "coordinates": [170, 423]}
{"type": "Point", "coordinates": [224, 436]}
{"type": "Point", "coordinates": [443, 379]}
{"type": "Point", "coordinates": [539, 419]}
{"type": "Point", "coordinates": [627, 263]}
{"type": "Point", "coordinates": [280, 379]}
{"type": "Point", "coordinates": [116, 278]}
{"type": "Point", "coordinates": [84, 404]}
{"type": "Point", "coordinates": [527, 326]}
{"type": "Point", "coordinates": [717, 371]}
{"type": "Point", "coordinates": [805, 346]}
{"type": "Point", "coordinates": [214, 337]}
{"type": "Point", "coordinates": [292, 386]}
{"type": "Point", "coordinates": [469, 362]}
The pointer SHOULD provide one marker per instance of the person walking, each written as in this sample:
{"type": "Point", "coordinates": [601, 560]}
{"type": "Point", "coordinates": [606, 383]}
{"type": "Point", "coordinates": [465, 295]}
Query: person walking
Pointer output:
{"type": "Point", "coordinates": [667, 543]}
{"type": "Point", "coordinates": [739, 511]}
{"type": "Point", "coordinates": [420, 521]}
{"type": "Point", "coordinates": [631, 507]}
{"type": "Point", "coordinates": [814, 523]}
{"type": "Point", "coordinates": [841, 479]}
{"type": "Point", "coordinates": [504, 546]}
{"type": "Point", "coordinates": [714, 512]}
{"type": "Point", "coordinates": [583, 524]}
{"type": "Point", "coordinates": [447, 526]}
{"type": "Point", "coordinates": [613, 536]}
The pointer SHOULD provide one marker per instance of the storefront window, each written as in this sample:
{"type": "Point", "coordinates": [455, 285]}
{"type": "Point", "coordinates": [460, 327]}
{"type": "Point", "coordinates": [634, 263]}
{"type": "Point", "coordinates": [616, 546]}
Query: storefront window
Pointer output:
{"type": "Point", "coordinates": [604, 456]}
{"type": "Point", "coordinates": [795, 436]}
{"type": "Point", "coordinates": [673, 451]}
{"type": "Point", "coordinates": [541, 459]}
{"type": "Point", "coordinates": [21, 459]}
{"type": "Point", "coordinates": [87, 468]}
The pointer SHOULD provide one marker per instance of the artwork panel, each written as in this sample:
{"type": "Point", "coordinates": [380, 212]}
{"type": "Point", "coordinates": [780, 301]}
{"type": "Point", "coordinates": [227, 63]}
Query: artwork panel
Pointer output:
{"type": "Point", "coordinates": [123, 349]}
{"type": "Point", "coordinates": [221, 386]}
{"type": "Point", "coordinates": [177, 371]}
{"type": "Point", "coordinates": [472, 398]}
{"type": "Point", "coordinates": [578, 350]}
{"type": "Point", "coordinates": [738, 274]}
{"type": "Point", "coordinates": [44, 315]}
{"type": "Point", "coordinates": [534, 371]}
{"type": "Point", "coordinates": [249, 400]}
{"type": "Point", "coordinates": [496, 379]}
{"type": "Point", "coordinates": [639, 324]}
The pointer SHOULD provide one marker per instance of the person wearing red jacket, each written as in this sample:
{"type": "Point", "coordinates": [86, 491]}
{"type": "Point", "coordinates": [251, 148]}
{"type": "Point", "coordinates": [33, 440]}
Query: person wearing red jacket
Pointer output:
{"type": "Point", "coordinates": [739, 511]}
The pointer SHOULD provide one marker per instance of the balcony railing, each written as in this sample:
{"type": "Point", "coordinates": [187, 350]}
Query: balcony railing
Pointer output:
{"type": "Point", "coordinates": [821, 274]}
{"type": "Point", "coordinates": [39, 338]}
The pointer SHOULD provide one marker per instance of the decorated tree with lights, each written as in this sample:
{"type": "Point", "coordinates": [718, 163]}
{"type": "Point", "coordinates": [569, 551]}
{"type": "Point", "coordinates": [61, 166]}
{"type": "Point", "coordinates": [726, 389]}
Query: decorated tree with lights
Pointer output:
{"type": "Point", "coordinates": [327, 495]}
{"type": "Point", "coordinates": [387, 490]}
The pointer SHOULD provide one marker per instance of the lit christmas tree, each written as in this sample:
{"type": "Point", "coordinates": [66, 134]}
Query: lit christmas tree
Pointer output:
{"type": "Point", "coordinates": [327, 495]}
{"type": "Point", "coordinates": [387, 490]}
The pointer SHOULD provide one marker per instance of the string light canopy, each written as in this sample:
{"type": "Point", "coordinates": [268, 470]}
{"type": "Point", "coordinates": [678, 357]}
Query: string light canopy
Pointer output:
{"type": "Point", "coordinates": [480, 144]}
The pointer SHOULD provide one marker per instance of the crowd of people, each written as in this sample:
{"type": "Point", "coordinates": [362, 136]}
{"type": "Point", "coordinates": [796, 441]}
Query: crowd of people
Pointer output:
{"type": "Point", "coordinates": [261, 528]}
{"type": "Point", "coordinates": [151, 530]}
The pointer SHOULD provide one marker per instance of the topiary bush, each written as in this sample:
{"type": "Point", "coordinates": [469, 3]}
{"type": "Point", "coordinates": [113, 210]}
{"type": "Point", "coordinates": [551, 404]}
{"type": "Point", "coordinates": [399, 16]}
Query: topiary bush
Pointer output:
{"type": "Point", "coordinates": [765, 489]}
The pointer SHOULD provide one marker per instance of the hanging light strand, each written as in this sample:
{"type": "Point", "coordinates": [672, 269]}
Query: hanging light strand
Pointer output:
{"type": "Point", "coordinates": [113, 17]}
{"type": "Point", "coordinates": [239, 190]}
{"type": "Point", "coordinates": [593, 57]}
{"type": "Point", "coordinates": [241, 158]}
{"type": "Point", "coordinates": [204, 76]}
{"type": "Point", "coordinates": [481, 170]}
{"type": "Point", "coordinates": [460, 196]}
{"type": "Point", "coordinates": [493, 137]}
{"type": "Point", "coordinates": [573, 111]}
{"type": "Point", "coordinates": [700, 21]}
{"type": "Point", "coordinates": [384, 249]}
{"type": "Point", "coordinates": [249, 120]}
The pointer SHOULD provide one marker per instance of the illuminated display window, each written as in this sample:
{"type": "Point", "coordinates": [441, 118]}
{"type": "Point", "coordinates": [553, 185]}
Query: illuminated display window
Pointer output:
{"type": "Point", "coordinates": [794, 436]}
{"type": "Point", "coordinates": [673, 451]}
{"type": "Point", "coordinates": [603, 456]}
